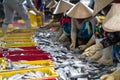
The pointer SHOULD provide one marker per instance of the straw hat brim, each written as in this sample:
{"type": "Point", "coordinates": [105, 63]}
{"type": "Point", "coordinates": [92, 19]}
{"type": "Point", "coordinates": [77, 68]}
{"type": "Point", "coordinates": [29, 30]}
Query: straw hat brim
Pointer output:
{"type": "Point", "coordinates": [100, 5]}
{"type": "Point", "coordinates": [80, 11]}
{"type": "Point", "coordinates": [51, 4]}
{"type": "Point", "coordinates": [62, 7]}
{"type": "Point", "coordinates": [112, 20]}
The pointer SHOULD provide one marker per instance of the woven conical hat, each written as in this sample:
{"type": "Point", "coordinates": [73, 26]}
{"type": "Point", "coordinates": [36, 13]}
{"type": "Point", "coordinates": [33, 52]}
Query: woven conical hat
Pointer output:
{"type": "Point", "coordinates": [111, 22]}
{"type": "Point", "coordinates": [62, 7]}
{"type": "Point", "coordinates": [51, 4]}
{"type": "Point", "coordinates": [80, 11]}
{"type": "Point", "coordinates": [99, 5]}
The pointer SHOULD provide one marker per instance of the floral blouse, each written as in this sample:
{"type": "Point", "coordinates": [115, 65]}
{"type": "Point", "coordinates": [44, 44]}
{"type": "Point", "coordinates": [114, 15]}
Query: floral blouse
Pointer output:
{"type": "Point", "coordinates": [111, 38]}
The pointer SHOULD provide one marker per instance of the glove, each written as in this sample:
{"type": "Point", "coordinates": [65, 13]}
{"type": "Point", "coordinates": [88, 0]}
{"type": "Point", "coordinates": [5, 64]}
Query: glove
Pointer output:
{"type": "Point", "coordinates": [90, 42]}
{"type": "Point", "coordinates": [91, 50]}
{"type": "Point", "coordinates": [114, 76]}
{"type": "Point", "coordinates": [82, 47]}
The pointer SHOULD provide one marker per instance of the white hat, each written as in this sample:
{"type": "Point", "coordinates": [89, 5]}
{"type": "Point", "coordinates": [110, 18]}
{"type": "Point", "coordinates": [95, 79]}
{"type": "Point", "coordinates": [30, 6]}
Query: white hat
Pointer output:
{"type": "Point", "coordinates": [51, 4]}
{"type": "Point", "coordinates": [99, 5]}
{"type": "Point", "coordinates": [62, 7]}
{"type": "Point", "coordinates": [80, 11]}
{"type": "Point", "coordinates": [111, 22]}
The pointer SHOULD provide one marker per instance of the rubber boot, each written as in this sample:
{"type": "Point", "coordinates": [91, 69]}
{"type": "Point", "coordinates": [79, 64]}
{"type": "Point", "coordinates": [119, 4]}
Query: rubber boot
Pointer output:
{"type": "Point", "coordinates": [4, 28]}
{"type": "Point", "coordinates": [106, 58]}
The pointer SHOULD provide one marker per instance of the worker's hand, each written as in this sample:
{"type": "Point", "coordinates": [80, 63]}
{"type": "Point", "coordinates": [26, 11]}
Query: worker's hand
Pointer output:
{"type": "Point", "coordinates": [72, 46]}
{"type": "Point", "coordinates": [39, 13]}
{"type": "Point", "coordinates": [92, 49]}
{"type": "Point", "coordinates": [107, 77]}
{"type": "Point", "coordinates": [113, 76]}
{"type": "Point", "coordinates": [82, 47]}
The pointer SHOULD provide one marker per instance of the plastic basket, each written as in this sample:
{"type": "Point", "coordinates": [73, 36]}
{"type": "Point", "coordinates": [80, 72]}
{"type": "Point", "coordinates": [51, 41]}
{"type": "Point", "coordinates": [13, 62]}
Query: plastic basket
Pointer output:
{"type": "Point", "coordinates": [17, 39]}
{"type": "Point", "coordinates": [3, 64]}
{"type": "Point", "coordinates": [39, 20]}
{"type": "Point", "coordinates": [45, 79]}
{"type": "Point", "coordinates": [19, 34]}
{"type": "Point", "coordinates": [30, 48]}
{"type": "Point", "coordinates": [35, 19]}
{"type": "Point", "coordinates": [8, 30]}
{"type": "Point", "coordinates": [19, 44]}
{"type": "Point", "coordinates": [1, 53]}
{"type": "Point", "coordinates": [47, 70]}
{"type": "Point", "coordinates": [24, 30]}
{"type": "Point", "coordinates": [29, 57]}
{"type": "Point", "coordinates": [42, 63]}
{"type": "Point", "coordinates": [26, 52]}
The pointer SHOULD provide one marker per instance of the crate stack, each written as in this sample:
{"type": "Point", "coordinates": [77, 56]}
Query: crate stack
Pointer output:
{"type": "Point", "coordinates": [20, 56]}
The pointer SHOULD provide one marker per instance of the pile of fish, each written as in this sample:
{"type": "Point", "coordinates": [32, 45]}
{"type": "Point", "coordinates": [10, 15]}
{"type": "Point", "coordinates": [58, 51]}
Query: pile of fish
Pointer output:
{"type": "Point", "coordinates": [27, 76]}
{"type": "Point", "coordinates": [69, 65]}
{"type": "Point", "coordinates": [21, 66]}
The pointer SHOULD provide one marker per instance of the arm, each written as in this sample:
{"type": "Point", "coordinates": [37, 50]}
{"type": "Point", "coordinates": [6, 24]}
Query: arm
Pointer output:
{"type": "Point", "coordinates": [113, 76]}
{"type": "Point", "coordinates": [89, 43]}
{"type": "Point", "coordinates": [111, 39]}
{"type": "Point", "coordinates": [31, 5]}
{"type": "Point", "coordinates": [73, 33]}
{"type": "Point", "coordinates": [52, 24]}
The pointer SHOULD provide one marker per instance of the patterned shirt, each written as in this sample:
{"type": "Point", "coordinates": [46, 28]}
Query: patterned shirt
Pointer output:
{"type": "Point", "coordinates": [110, 39]}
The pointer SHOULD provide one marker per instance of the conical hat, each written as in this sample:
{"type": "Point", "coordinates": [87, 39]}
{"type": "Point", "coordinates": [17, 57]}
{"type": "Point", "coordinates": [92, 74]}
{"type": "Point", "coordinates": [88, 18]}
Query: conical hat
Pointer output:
{"type": "Point", "coordinates": [62, 7]}
{"type": "Point", "coordinates": [111, 22]}
{"type": "Point", "coordinates": [51, 4]}
{"type": "Point", "coordinates": [99, 5]}
{"type": "Point", "coordinates": [80, 11]}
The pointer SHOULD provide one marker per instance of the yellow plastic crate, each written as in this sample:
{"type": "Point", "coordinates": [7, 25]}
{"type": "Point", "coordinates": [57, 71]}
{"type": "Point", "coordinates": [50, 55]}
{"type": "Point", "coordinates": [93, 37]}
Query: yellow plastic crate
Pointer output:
{"type": "Point", "coordinates": [24, 30]}
{"type": "Point", "coordinates": [17, 39]}
{"type": "Point", "coordinates": [2, 60]}
{"type": "Point", "coordinates": [3, 64]}
{"type": "Point", "coordinates": [10, 38]}
{"type": "Point", "coordinates": [35, 19]}
{"type": "Point", "coordinates": [49, 71]}
{"type": "Point", "coordinates": [19, 44]}
{"type": "Point", "coordinates": [8, 30]}
{"type": "Point", "coordinates": [39, 21]}
{"type": "Point", "coordinates": [19, 34]}
{"type": "Point", "coordinates": [43, 63]}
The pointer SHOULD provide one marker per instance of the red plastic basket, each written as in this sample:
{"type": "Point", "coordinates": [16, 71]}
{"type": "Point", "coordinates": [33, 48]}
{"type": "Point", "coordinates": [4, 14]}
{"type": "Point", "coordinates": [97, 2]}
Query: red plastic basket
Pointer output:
{"type": "Point", "coordinates": [1, 52]}
{"type": "Point", "coordinates": [29, 57]}
{"type": "Point", "coordinates": [29, 48]}
{"type": "Point", "coordinates": [26, 52]}
{"type": "Point", "coordinates": [46, 79]}
{"type": "Point", "coordinates": [51, 79]}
